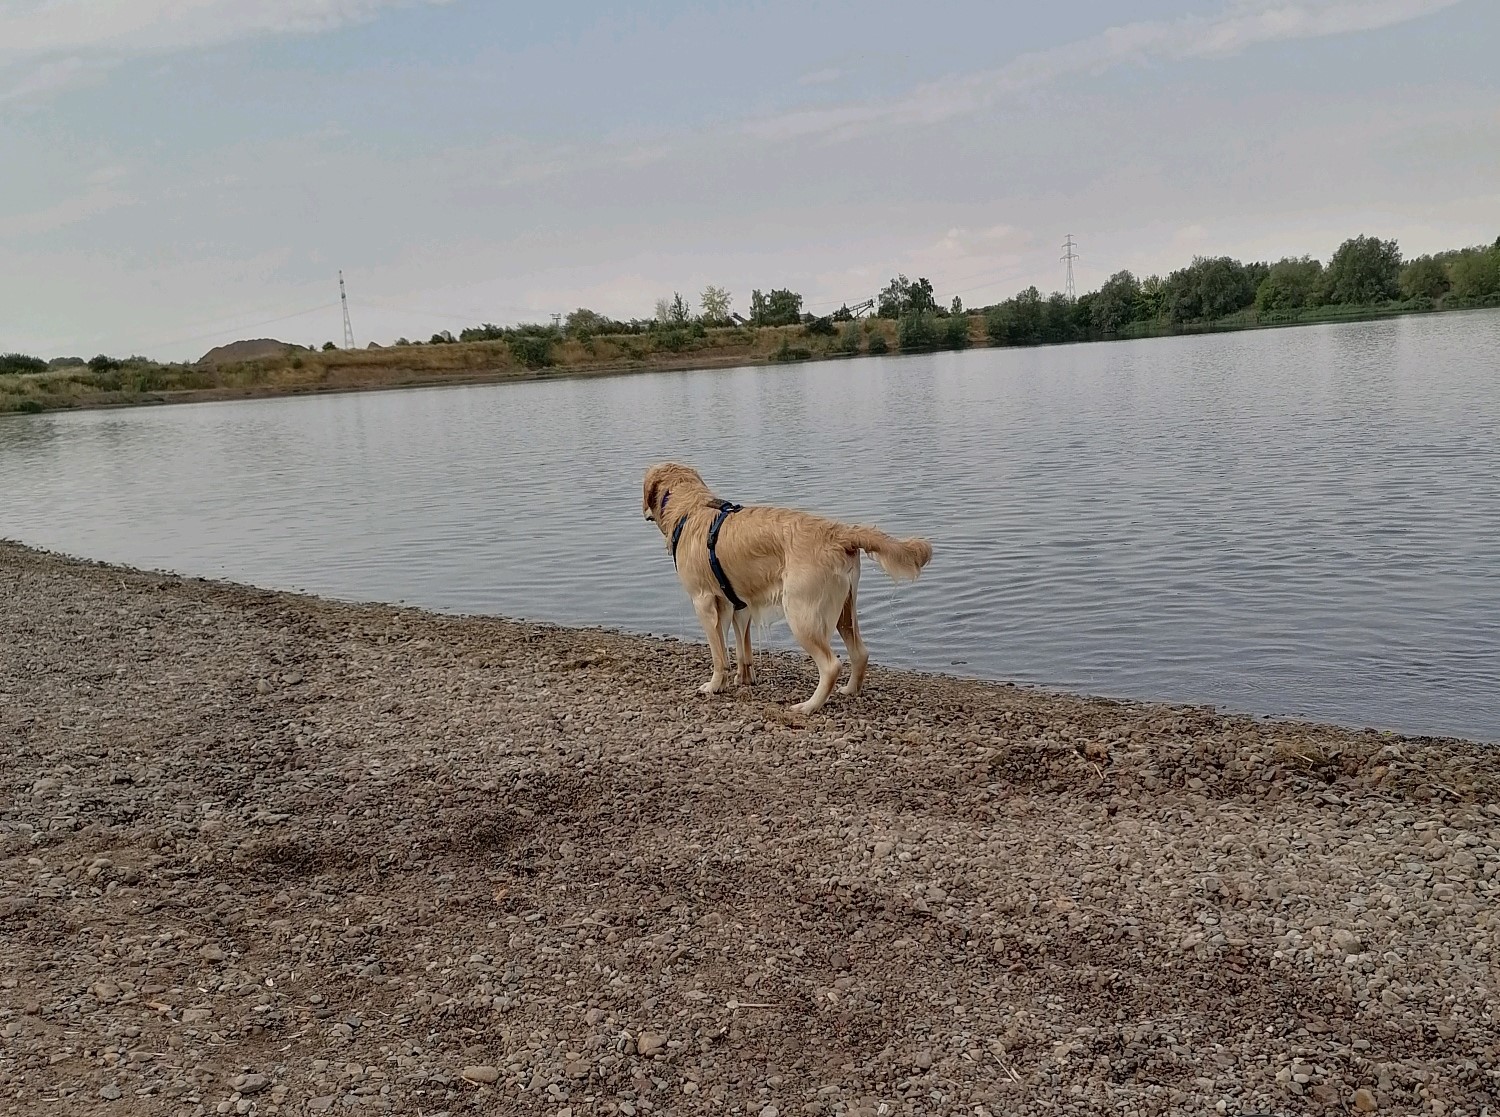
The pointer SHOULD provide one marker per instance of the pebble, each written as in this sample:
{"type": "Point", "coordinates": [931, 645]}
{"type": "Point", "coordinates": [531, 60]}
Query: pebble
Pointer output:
{"type": "Point", "coordinates": [649, 1043]}
{"type": "Point", "coordinates": [477, 839]}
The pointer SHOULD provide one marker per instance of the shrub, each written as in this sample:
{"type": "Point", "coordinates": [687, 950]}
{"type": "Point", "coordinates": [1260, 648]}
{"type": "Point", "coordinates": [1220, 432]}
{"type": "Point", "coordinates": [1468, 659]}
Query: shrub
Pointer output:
{"type": "Point", "coordinates": [788, 352]}
{"type": "Point", "coordinates": [956, 331]}
{"type": "Point", "coordinates": [849, 339]}
{"type": "Point", "coordinates": [20, 363]}
{"type": "Point", "coordinates": [532, 350]}
{"type": "Point", "coordinates": [878, 345]}
{"type": "Point", "coordinates": [820, 327]}
{"type": "Point", "coordinates": [101, 363]}
{"type": "Point", "coordinates": [916, 332]}
{"type": "Point", "coordinates": [30, 407]}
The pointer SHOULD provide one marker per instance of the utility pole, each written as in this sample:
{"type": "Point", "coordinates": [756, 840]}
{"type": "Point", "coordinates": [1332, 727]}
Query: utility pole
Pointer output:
{"type": "Point", "coordinates": [344, 299]}
{"type": "Point", "coordinates": [1069, 256]}
{"type": "Point", "coordinates": [557, 321]}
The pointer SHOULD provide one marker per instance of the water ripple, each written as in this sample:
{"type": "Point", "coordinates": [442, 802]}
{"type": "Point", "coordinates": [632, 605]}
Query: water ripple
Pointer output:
{"type": "Point", "coordinates": [1287, 522]}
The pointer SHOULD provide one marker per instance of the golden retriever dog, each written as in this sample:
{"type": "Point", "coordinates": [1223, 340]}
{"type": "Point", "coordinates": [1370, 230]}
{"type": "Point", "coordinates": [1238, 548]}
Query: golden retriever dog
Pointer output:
{"type": "Point", "coordinates": [759, 562]}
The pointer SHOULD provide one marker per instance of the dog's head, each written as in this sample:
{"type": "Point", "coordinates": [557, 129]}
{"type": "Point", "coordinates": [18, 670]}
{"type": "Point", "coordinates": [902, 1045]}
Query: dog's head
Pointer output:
{"type": "Point", "coordinates": [661, 481]}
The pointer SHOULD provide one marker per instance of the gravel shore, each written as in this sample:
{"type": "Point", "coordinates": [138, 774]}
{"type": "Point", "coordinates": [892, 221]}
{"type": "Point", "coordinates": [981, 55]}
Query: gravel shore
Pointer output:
{"type": "Point", "coordinates": [261, 853]}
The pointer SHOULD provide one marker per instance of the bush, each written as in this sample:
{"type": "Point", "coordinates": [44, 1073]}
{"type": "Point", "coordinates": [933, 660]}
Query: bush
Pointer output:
{"type": "Point", "coordinates": [849, 339]}
{"type": "Point", "coordinates": [531, 350]}
{"type": "Point", "coordinates": [916, 332]}
{"type": "Point", "coordinates": [788, 352]}
{"type": "Point", "coordinates": [673, 340]}
{"type": "Point", "coordinates": [101, 363]}
{"type": "Point", "coordinates": [877, 345]}
{"type": "Point", "coordinates": [956, 331]}
{"type": "Point", "coordinates": [19, 364]}
{"type": "Point", "coordinates": [30, 407]}
{"type": "Point", "coordinates": [820, 327]}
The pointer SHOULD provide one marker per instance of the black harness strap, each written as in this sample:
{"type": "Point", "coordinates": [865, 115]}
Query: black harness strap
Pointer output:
{"type": "Point", "coordinates": [677, 535]}
{"type": "Point", "coordinates": [725, 509]}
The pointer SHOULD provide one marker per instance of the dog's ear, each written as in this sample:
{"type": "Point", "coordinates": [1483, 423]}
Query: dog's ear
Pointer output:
{"type": "Point", "coordinates": [654, 484]}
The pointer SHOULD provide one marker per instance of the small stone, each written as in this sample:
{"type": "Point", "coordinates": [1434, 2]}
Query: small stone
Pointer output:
{"type": "Point", "coordinates": [211, 954]}
{"type": "Point", "coordinates": [249, 1083]}
{"type": "Point", "coordinates": [318, 1105]}
{"type": "Point", "coordinates": [110, 1092]}
{"type": "Point", "coordinates": [649, 1043]}
{"type": "Point", "coordinates": [1346, 942]}
{"type": "Point", "coordinates": [1364, 1101]}
{"type": "Point", "coordinates": [196, 1015]}
{"type": "Point", "coordinates": [923, 1060]}
{"type": "Point", "coordinates": [484, 1075]}
{"type": "Point", "coordinates": [263, 687]}
{"type": "Point", "coordinates": [106, 992]}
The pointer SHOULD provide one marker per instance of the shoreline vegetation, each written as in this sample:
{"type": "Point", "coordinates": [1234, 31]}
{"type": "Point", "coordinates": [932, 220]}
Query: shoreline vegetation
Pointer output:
{"type": "Point", "coordinates": [1366, 278]}
{"type": "Point", "coordinates": [263, 846]}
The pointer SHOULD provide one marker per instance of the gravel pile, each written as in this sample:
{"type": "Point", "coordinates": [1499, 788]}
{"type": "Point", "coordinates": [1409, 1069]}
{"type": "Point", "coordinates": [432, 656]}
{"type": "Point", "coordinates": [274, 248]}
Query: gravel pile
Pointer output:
{"type": "Point", "coordinates": [266, 854]}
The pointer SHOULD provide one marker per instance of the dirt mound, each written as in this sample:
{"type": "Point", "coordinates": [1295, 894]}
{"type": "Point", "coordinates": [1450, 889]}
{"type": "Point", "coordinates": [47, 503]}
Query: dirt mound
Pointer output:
{"type": "Point", "coordinates": [258, 349]}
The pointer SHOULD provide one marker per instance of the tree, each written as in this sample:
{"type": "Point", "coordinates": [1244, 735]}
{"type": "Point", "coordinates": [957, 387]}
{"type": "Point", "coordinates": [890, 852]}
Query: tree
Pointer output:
{"type": "Point", "coordinates": [921, 298]}
{"type": "Point", "coordinates": [663, 312]}
{"type": "Point", "coordinates": [443, 337]}
{"type": "Point", "coordinates": [780, 308]}
{"type": "Point", "coordinates": [715, 302]}
{"type": "Point", "coordinates": [1363, 270]}
{"type": "Point", "coordinates": [894, 298]}
{"type": "Point", "coordinates": [1476, 273]}
{"type": "Point", "coordinates": [956, 327]}
{"type": "Point", "coordinates": [1153, 304]}
{"type": "Point", "coordinates": [584, 323]}
{"type": "Point", "coordinates": [1292, 282]}
{"type": "Point", "coordinates": [1115, 303]}
{"type": "Point", "coordinates": [1057, 319]}
{"type": "Point", "coordinates": [1425, 278]}
{"type": "Point", "coordinates": [678, 313]}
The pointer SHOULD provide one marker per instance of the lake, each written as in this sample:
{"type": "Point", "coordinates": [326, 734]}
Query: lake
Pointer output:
{"type": "Point", "coordinates": [1298, 522]}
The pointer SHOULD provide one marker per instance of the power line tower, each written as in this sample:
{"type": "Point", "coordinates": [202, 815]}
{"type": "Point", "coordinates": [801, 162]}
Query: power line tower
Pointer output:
{"type": "Point", "coordinates": [1069, 256]}
{"type": "Point", "coordinates": [344, 299]}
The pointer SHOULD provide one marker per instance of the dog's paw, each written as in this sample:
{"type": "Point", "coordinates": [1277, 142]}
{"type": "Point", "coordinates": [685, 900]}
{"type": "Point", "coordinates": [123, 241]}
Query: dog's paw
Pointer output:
{"type": "Point", "coordinates": [808, 707]}
{"type": "Point", "coordinates": [850, 689]}
{"type": "Point", "coordinates": [713, 686]}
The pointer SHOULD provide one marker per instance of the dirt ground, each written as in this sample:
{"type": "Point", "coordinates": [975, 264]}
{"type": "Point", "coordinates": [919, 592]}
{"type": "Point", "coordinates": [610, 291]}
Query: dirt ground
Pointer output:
{"type": "Point", "coordinates": [266, 854]}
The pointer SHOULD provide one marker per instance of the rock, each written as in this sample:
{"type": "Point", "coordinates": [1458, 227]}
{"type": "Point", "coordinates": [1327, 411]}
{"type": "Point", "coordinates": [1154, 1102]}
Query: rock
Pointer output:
{"type": "Point", "coordinates": [248, 1084]}
{"type": "Point", "coordinates": [196, 1015]}
{"type": "Point", "coordinates": [1364, 1101]}
{"type": "Point", "coordinates": [482, 1074]}
{"type": "Point", "coordinates": [922, 1060]}
{"type": "Point", "coordinates": [648, 1044]}
{"type": "Point", "coordinates": [319, 1104]}
{"type": "Point", "coordinates": [1346, 942]}
{"type": "Point", "coordinates": [111, 1092]}
{"type": "Point", "coordinates": [106, 992]}
{"type": "Point", "coordinates": [211, 954]}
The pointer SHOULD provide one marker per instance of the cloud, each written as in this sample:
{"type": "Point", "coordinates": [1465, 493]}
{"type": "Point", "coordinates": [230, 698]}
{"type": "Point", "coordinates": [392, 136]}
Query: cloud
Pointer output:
{"type": "Point", "coordinates": [1238, 28]}
{"type": "Point", "coordinates": [50, 45]}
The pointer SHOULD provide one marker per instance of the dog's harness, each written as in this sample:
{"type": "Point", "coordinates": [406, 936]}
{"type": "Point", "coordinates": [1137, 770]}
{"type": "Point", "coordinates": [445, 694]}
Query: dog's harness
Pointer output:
{"type": "Point", "coordinates": [725, 510]}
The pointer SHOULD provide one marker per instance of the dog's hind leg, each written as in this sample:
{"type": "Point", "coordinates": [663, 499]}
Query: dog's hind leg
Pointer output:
{"type": "Point", "coordinates": [742, 647]}
{"type": "Point", "coordinates": [811, 611]}
{"type": "Point", "coordinates": [711, 610]}
{"type": "Point", "coordinates": [859, 655]}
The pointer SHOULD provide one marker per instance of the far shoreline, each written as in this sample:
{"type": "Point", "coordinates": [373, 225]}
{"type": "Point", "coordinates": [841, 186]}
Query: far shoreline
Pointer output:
{"type": "Point", "coordinates": [339, 372]}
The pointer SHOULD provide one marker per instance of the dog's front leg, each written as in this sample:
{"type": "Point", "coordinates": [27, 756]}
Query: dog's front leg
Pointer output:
{"type": "Point", "coordinates": [742, 647]}
{"type": "Point", "coordinates": [710, 610]}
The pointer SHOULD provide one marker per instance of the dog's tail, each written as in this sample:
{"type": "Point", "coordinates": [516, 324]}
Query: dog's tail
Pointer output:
{"type": "Point", "coordinates": [902, 559]}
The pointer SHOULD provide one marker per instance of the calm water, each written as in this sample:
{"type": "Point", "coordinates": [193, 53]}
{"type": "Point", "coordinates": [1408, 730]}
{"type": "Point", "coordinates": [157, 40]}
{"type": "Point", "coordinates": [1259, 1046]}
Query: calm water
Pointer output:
{"type": "Point", "coordinates": [1300, 522]}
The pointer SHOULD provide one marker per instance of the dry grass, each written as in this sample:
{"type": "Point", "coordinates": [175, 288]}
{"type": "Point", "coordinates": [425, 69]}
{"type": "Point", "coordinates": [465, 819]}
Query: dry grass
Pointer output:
{"type": "Point", "coordinates": [404, 366]}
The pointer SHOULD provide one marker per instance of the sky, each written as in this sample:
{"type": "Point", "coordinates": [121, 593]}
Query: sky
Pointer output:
{"type": "Point", "coordinates": [176, 174]}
